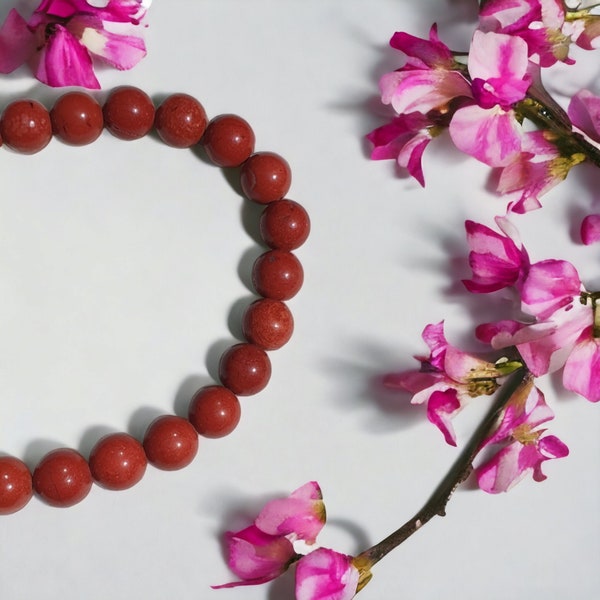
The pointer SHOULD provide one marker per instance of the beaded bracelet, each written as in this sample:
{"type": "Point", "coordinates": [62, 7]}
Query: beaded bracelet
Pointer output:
{"type": "Point", "coordinates": [118, 461]}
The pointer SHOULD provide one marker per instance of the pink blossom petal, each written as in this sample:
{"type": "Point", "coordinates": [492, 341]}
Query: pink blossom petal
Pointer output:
{"type": "Point", "coordinates": [496, 260]}
{"type": "Point", "coordinates": [508, 15]}
{"type": "Point", "coordinates": [301, 515]}
{"type": "Point", "coordinates": [17, 42]}
{"type": "Point", "coordinates": [515, 461]}
{"type": "Point", "coordinates": [422, 90]}
{"type": "Point", "coordinates": [584, 112]}
{"type": "Point", "coordinates": [550, 285]}
{"type": "Point", "coordinates": [442, 406]}
{"type": "Point", "coordinates": [120, 51]}
{"type": "Point", "coordinates": [64, 61]}
{"type": "Point", "coordinates": [430, 53]}
{"type": "Point", "coordinates": [256, 557]}
{"type": "Point", "coordinates": [492, 136]}
{"type": "Point", "coordinates": [433, 336]}
{"type": "Point", "coordinates": [582, 369]}
{"type": "Point", "coordinates": [590, 229]}
{"type": "Point", "coordinates": [326, 575]}
{"type": "Point", "coordinates": [462, 367]}
{"type": "Point", "coordinates": [411, 381]}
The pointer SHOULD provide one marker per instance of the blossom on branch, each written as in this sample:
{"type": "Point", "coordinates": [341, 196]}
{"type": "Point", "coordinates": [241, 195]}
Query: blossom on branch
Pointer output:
{"type": "Point", "coordinates": [62, 36]}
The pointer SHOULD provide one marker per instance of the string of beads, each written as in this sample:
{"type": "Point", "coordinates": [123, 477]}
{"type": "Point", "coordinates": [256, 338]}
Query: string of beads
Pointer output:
{"type": "Point", "coordinates": [63, 477]}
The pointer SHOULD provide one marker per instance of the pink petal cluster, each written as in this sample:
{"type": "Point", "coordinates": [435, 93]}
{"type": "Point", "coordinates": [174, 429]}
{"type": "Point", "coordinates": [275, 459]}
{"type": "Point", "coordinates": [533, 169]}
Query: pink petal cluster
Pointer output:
{"type": "Point", "coordinates": [62, 36]}
{"type": "Point", "coordinates": [562, 328]}
{"type": "Point", "coordinates": [523, 447]}
{"type": "Point", "coordinates": [265, 549]}
{"type": "Point", "coordinates": [447, 380]}
{"type": "Point", "coordinates": [543, 26]}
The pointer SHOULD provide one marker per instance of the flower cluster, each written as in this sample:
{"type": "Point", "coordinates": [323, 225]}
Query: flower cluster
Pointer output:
{"type": "Point", "coordinates": [62, 37]}
{"type": "Point", "coordinates": [265, 550]}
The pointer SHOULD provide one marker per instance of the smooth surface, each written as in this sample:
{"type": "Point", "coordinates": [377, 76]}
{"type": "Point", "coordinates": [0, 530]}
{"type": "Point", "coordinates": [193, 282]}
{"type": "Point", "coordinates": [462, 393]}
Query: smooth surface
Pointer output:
{"type": "Point", "coordinates": [124, 273]}
{"type": "Point", "coordinates": [77, 118]}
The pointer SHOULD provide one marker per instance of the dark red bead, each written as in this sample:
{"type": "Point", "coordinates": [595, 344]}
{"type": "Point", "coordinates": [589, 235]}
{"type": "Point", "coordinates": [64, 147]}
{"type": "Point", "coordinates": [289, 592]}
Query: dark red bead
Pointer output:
{"type": "Point", "coordinates": [170, 443]}
{"type": "Point", "coordinates": [62, 478]}
{"type": "Point", "coordinates": [228, 140]}
{"type": "Point", "coordinates": [15, 485]}
{"type": "Point", "coordinates": [245, 369]}
{"type": "Point", "coordinates": [214, 411]}
{"type": "Point", "coordinates": [284, 225]}
{"type": "Point", "coordinates": [25, 126]}
{"type": "Point", "coordinates": [180, 121]}
{"type": "Point", "coordinates": [265, 177]}
{"type": "Point", "coordinates": [117, 461]}
{"type": "Point", "coordinates": [128, 113]}
{"type": "Point", "coordinates": [277, 275]}
{"type": "Point", "coordinates": [268, 324]}
{"type": "Point", "coordinates": [77, 119]}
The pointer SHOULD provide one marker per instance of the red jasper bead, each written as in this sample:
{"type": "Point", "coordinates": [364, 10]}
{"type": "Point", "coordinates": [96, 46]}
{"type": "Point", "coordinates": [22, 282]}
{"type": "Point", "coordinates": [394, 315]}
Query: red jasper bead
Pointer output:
{"type": "Point", "coordinates": [265, 177]}
{"type": "Point", "coordinates": [214, 411]}
{"type": "Point", "coordinates": [77, 119]}
{"type": "Point", "coordinates": [245, 369]}
{"type": "Point", "coordinates": [62, 478]}
{"type": "Point", "coordinates": [268, 324]}
{"type": "Point", "coordinates": [128, 113]}
{"type": "Point", "coordinates": [15, 485]}
{"type": "Point", "coordinates": [117, 461]}
{"type": "Point", "coordinates": [277, 275]}
{"type": "Point", "coordinates": [180, 121]}
{"type": "Point", "coordinates": [228, 140]}
{"type": "Point", "coordinates": [170, 443]}
{"type": "Point", "coordinates": [284, 225]}
{"type": "Point", "coordinates": [25, 126]}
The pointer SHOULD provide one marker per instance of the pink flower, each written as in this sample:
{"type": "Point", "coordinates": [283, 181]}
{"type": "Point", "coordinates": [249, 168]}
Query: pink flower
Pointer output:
{"type": "Point", "coordinates": [404, 139]}
{"type": "Point", "coordinates": [263, 551]}
{"type": "Point", "coordinates": [524, 448]}
{"type": "Point", "coordinates": [584, 112]}
{"type": "Point", "coordinates": [62, 36]}
{"type": "Point", "coordinates": [488, 129]}
{"type": "Point", "coordinates": [326, 575]}
{"type": "Point", "coordinates": [429, 79]}
{"type": "Point", "coordinates": [498, 260]}
{"type": "Point", "coordinates": [448, 378]}
{"type": "Point", "coordinates": [590, 229]}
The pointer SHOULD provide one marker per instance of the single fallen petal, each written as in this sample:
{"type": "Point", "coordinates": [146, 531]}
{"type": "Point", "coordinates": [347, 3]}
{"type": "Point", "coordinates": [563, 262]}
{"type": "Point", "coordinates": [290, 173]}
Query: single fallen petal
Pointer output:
{"type": "Point", "coordinates": [590, 229]}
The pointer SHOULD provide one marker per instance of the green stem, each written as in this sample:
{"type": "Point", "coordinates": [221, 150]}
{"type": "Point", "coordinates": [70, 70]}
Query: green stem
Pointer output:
{"type": "Point", "coordinates": [460, 470]}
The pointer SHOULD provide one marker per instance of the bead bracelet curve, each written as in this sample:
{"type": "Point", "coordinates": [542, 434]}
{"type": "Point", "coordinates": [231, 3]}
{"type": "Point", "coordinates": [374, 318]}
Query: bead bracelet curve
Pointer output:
{"type": "Point", "coordinates": [63, 477]}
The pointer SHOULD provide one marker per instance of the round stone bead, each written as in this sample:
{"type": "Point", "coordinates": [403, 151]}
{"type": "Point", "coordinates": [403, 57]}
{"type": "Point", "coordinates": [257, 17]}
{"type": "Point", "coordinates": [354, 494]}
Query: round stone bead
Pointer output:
{"type": "Point", "coordinates": [268, 324]}
{"type": "Point", "coordinates": [284, 225]}
{"type": "Point", "coordinates": [277, 274]}
{"type": "Point", "coordinates": [128, 113]}
{"type": "Point", "coordinates": [180, 121]}
{"type": "Point", "coordinates": [77, 119]}
{"type": "Point", "coordinates": [228, 140]}
{"type": "Point", "coordinates": [265, 177]}
{"type": "Point", "coordinates": [117, 461]}
{"type": "Point", "coordinates": [214, 411]}
{"type": "Point", "coordinates": [245, 369]}
{"type": "Point", "coordinates": [170, 442]}
{"type": "Point", "coordinates": [62, 478]}
{"type": "Point", "coordinates": [25, 126]}
{"type": "Point", "coordinates": [15, 485]}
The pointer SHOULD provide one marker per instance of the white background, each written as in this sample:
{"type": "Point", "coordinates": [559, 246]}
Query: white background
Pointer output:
{"type": "Point", "coordinates": [122, 270]}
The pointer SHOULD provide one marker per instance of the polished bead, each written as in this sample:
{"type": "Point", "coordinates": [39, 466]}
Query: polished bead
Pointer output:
{"type": "Point", "coordinates": [128, 113]}
{"type": "Point", "coordinates": [265, 177]}
{"type": "Point", "coordinates": [117, 461]}
{"type": "Point", "coordinates": [25, 126]}
{"type": "Point", "coordinates": [180, 121]}
{"type": "Point", "coordinates": [62, 478]}
{"type": "Point", "coordinates": [284, 225]}
{"type": "Point", "coordinates": [245, 369]}
{"type": "Point", "coordinates": [15, 485]}
{"type": "Point", "coordinates": [277, 275]}
{"type": "Point", "coordinates": [77, 119]}
{"type": "Point", "coordinates": [228, 140]}
{"type": "Point", "coordinates": [268, 324]}
{"type": "Point", "coordinates": [214, 411]}
{"type": "Point", "coordinates": [170, 443]}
